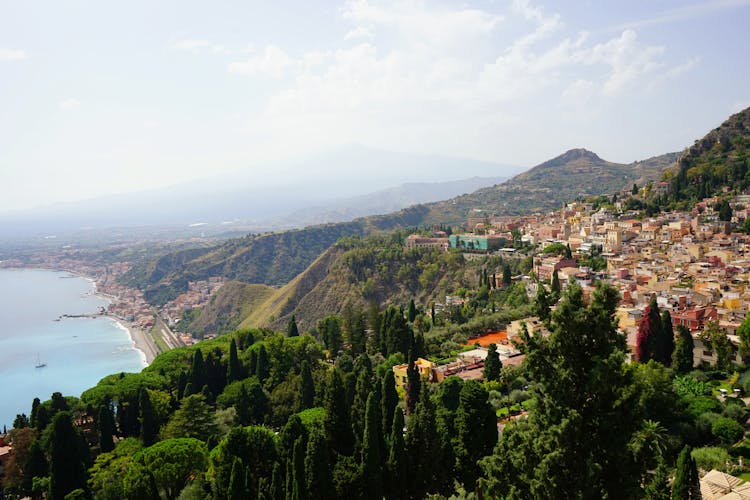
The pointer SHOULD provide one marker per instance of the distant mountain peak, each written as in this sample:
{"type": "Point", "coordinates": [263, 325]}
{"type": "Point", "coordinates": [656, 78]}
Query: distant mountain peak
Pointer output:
{"type": "Point", "coordinates": [577, 154]}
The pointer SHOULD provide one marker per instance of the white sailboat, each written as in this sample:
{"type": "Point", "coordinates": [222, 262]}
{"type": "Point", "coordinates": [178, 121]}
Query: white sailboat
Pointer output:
{"type": "Point", "coordinates": [39, 362]}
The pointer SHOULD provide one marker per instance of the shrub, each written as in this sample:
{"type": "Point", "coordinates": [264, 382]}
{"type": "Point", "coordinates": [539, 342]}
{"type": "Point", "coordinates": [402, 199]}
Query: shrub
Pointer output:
{"type": "Point", "coordinates": [728, 430]}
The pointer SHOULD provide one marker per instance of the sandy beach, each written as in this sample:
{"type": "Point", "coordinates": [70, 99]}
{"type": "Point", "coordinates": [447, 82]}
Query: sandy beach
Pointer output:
{"type": "Point", "coordinates": [142, 340]}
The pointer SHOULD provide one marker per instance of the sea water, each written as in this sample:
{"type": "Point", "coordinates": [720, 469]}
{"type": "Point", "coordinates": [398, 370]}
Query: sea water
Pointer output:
{"type": "Point", "coordinates": [78, 352]}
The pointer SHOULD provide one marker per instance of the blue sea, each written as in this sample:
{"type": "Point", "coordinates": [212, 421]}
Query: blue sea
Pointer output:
{"type": "Point", "coordinates": [78, 351]}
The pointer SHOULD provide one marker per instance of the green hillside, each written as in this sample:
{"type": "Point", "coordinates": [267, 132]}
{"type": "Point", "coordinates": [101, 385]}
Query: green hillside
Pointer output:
{"type": "Point", "coordinates": [721, 158]}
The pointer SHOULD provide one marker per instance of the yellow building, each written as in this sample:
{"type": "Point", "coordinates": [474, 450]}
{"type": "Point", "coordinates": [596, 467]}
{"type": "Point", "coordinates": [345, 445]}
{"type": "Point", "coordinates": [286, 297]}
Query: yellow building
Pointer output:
{"type": "Point", "coordinates": [424, 367]}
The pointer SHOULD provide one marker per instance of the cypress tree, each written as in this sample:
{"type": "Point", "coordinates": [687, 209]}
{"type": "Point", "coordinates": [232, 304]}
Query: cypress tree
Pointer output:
{"type": "Point", "coordinates": [649, 334]}
{"type": "Point", "coordinates": [182, 382]}
{"type": "Point", "coordinates": [421, 446]}
{"type": "Point", "coordinates": [389, 399]}
{"type": "Point", "coordinates": [336, 421]}
{"type": "Point", "coordinates": [252, 363]}
{"type": "Point", "coordinates": [686, 485]}
{"type": "Point", "coordinates": [476, 431]}
{"type": "Point", "coordinates": [358, 408]}
{"type": "Point", "coordinates": [149, 426]}
{"type": "Point", "coordinates": [34, 409]}
{"type": "Point", "coordinates": [492, 364]}
{"type": "Point", "coordinates": [35, 466]}
{"type": "Point", "coordinates": [243, 406]}
{"type": "Point", "coordinates": [396, 464]}
{"type": "Point", "coordinates": [67, 468]}
{"type": "Point", "coordinates": [307, 386]}
{"type": "Point", "coordinates": [317, 470]}
{"type": "Point", "coordinates": [658, 487]}
{"type": "Point", "coordinates": [542, 303]}
{"type": "Point", "coordinates": [291, 327]}
{"type": "Point", "coordinates": [413, 385]}
{"type": "Point", "coordinates": [42, 418]}
{"type": "Point", "coordinates": [277, 483]}
{"type": "Point", "coordinates": [237, 486]}
{"type": "Point", "coordinates": [412, 311]}
{"type": "Point", "coordinates": [299, 484]}
{"type": "Point", "coordinates": [106, 423]}
{"type": "Point", "coordinates": [234, 371]}
{"type": "Point", "coordinates": [197, 373]}
{"type": "Point", "coordinates": [507, 275]}
{"type": "Point", "coordinates": [555, 284]}
{"type": "Point", "coordinates": [682, 357]}
{"type": "Point", "coordinates": [666, 340]}
{"type": "Point", "coordinates": [372, 466]}
{"type": "Point", "coordinates": [262, 368]}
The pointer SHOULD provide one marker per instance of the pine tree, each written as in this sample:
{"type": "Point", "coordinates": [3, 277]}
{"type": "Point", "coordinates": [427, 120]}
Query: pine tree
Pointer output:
{"type": "Point", "coordinates": [234, 370]}
{"type": "Point", "coordinates": [372, 466]}
{"type": "Point", "coordinates": [574, 444]}
{"type": "Point", "coordinates": [541, 305]}
{"type": "Point", "coordinates": [682, 357]}
{"type": "Point", "coordinates": [492, 364]}
{"type": "Point", "coordinates": [686, 485]}
{"type": "Point", "coordinates": [307, 386]}
{"type": "Point", "coordinates": [291, 327]}
{"type": "Point", "coordinates": [106, 423]}
{"type": "Point", "coordinates": [66, 466]}
{"type": "Point", "coordinates": [149, 425]}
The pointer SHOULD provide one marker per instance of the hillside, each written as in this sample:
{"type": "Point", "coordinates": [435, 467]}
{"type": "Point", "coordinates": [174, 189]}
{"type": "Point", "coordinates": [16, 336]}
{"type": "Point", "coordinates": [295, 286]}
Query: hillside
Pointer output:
{"type": "Point", "coordinates": [222, 314]}
{"type": "Point", "coordinates": [721, 158]}
{"type": "Point", "coordinates": [574, 174]}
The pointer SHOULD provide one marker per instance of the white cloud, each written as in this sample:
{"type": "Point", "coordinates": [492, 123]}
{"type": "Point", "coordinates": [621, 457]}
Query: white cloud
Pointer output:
{"type": "Point", "coordinates": [358, 32]}
{"type": "Point", "coordinates": [696, 10]}
{"type": "Point", "coordinates": [197, 45]}
{"type": "Point", "coordinates": [69, 104]}
{"type": "Point", "coordinates": [12, 54]}
{"type": "Point", "coordinates": [273, 62]}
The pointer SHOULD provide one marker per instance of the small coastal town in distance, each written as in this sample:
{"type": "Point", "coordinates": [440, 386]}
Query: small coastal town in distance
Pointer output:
{"type": "Point", "coordinates": [375, 249]}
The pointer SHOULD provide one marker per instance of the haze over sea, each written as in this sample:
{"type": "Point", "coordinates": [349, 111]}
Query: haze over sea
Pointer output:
{"type": "Point", "coordinates": [78, 351]}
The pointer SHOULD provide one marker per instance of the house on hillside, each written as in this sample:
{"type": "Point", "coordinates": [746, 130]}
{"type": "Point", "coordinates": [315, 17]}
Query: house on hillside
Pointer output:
{"type": "Point", "coordinates": [424, 366]}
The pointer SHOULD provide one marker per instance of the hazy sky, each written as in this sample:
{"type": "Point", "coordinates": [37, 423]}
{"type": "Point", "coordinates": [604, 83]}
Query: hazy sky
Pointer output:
{"type": "Point", "coordinates": [102, 96]}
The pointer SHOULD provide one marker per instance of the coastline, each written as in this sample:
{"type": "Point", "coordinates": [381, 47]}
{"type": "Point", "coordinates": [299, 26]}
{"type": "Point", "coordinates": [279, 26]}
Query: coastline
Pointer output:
{"type": "Point", "coordinates": [142, 341]}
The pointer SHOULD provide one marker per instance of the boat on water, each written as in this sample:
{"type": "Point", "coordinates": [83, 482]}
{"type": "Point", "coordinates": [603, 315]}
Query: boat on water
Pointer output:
{"type": "Point", "coordinates": [39, 363]}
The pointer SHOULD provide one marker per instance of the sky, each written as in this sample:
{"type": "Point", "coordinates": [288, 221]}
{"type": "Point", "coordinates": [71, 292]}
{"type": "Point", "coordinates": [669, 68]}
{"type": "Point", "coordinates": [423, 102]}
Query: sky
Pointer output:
{"type": "Point", "coordinates": [99, 97]}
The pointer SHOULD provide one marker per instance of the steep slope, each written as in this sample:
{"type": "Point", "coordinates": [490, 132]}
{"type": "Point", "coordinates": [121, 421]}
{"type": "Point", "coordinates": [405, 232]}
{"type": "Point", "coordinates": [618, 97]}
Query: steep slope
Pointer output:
{"type": "Point", "coordinates": [720, 159]}
{"type": "Point", "coordinates": [575, 173]}
{"type": "Point", "coordinates": [225, 310]}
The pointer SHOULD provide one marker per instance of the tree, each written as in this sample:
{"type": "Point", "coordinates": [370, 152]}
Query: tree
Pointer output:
{"type": "Point", "coordinates": [413, 385]}
{"type": "Point", "coordinates": [317, 470]}
{"type": "Point", "coordinates": [291, 327]}
{"type": "Point", "coordinates": [686, 484]}
{"type": "Point", "coordinates": [34, 409]}
{"type": "Point", "coordinates": [237, 484]}
{"type": "Point", "coordinates": [262, 366]}
{"type": "Point", "coordinates": [35, 466]}
{"type": "Point", "coordinates": [649, 333]}
{"type": "Point", "coordinates": [372, 466]}
{"type": "Point", "coordinates": [727, 430]}
{"type": "Point", "coordinates": [682, 356]}
{"type": "Point", "coordinates": [716, 339]}
{"type": "Point", "coordinates": [330, 332]}
{"type": "Point", "coordinates": [197, 374]}
{"type": "Point", "coordinates": [574, 442]}
{"type": "Point", "coordinates": [555, 284]}
{"type": "Point", "coordinates": [174, 463]}
{"type": "Point", "coordinates": [658, 487]}
{"type": "Point", "coordinates": [541, 305]}
{"type": "Point", "coordinates": [149, 425]}
{"type": "Point", "coordinates": [634, 191]}
{"type": "Point", "coordinates": [106, 423]}
{"type": "Point", "coordinates": [421, 446]}
{"type": "Point", "coordinates": [307, 386]}
{"type": "Point", "coordinates": [506, 275]}
{"type": "Point", "coordinates": [492, 364]}
{"type": "Point", "coordinates": [297, 479]}
{"type": "Point", "coordinates": [743, 332]}
{"type": "Point", "coordinates": [234, 369]}
{"type": "Point", "coordinates": [194, 419]}
{"type": "Point", "coordinates": [67, 457]}
{"type": "Point", "coordinates": [21, 421]}
{"type": "Point", "coordinates": [665, 347]}
{"type": "Point", "coordinates": [336, 422]}
{"type": "Point", "coordinates": [476, 431]}
{"type": "Point", "coordinates": [389, 399]}
{"type": "Point", "coordinates": [411, 311]}
{"type": "Point", "coordinates": [396, 464]}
